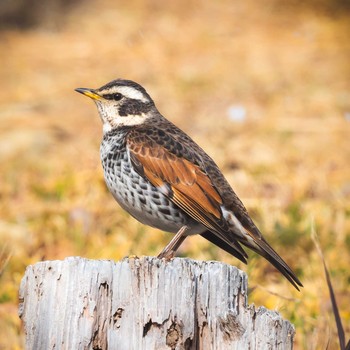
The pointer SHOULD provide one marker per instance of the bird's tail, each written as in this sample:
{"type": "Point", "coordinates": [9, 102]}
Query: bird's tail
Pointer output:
{"type": "Point", "coordinates": [260, 246]}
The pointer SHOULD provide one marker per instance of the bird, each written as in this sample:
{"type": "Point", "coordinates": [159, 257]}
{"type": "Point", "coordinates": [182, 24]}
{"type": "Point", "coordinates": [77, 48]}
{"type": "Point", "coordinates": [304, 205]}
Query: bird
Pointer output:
{"type": "Point", "coordinates": [164, 179]}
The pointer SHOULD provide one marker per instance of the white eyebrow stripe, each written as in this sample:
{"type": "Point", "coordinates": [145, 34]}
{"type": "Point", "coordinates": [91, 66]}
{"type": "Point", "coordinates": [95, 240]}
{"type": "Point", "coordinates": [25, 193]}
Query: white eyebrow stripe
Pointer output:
{"type": "Point", "coordinates": [128, 92]}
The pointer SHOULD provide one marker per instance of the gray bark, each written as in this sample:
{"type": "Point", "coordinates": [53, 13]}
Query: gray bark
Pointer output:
{"type": "Point", "coordinates": [144, 303]}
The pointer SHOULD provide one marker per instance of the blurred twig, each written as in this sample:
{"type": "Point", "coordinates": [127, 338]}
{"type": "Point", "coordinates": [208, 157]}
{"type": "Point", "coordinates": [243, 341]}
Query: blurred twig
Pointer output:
{"type": "Point", "coordinates": [4, 259]}
{"type": "Point", "coordinates": [338, 321]}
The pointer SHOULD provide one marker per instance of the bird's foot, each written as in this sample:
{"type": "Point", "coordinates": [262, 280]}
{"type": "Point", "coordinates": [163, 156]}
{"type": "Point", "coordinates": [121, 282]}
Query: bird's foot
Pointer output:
{"type": "Point", "coordinates": [169, 251]}
{"type": "Point", "coordinates": [166, 254]}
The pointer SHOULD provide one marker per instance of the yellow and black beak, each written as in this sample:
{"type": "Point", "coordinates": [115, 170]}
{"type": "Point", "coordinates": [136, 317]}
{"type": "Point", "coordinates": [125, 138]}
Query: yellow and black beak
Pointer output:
{"type": "Point", "coordinates": [89, 93]}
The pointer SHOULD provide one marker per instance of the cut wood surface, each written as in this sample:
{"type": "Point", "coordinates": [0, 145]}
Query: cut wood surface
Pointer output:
{"type": "Point", "coordinates": [144, 303]}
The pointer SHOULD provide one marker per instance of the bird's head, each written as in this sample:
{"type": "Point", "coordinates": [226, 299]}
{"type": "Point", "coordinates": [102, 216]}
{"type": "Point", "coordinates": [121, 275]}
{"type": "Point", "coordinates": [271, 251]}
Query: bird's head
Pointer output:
{"type": "Point", "coordinates": [121, 103]}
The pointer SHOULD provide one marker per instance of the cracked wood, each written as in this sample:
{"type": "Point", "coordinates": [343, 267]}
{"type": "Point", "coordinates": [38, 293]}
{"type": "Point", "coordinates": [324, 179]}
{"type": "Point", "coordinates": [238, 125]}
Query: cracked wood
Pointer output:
{"type": "Point", "coordinates": [144, 303]}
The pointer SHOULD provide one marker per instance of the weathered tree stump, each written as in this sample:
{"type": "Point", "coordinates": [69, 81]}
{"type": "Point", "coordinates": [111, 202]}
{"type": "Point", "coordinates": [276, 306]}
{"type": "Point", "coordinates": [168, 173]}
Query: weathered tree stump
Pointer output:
{"type": "Point", "coordinates": [144, 303]}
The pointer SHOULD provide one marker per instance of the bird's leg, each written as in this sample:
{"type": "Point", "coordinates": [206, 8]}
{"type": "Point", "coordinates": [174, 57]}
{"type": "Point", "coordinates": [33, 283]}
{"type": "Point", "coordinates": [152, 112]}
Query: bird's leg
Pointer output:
{"type": "Point", "coordinates": [169, 251]}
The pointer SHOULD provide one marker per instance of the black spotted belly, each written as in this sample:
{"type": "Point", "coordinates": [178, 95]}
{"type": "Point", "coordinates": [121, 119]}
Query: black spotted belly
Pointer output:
{"type": "Point", "coordinates": [144, 201]}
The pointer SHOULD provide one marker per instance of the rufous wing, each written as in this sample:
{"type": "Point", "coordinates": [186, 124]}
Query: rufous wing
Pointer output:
{"type": "Point", "coordinates": [184, 183]}
{"type": "Point", "coordinates": [190, 188]}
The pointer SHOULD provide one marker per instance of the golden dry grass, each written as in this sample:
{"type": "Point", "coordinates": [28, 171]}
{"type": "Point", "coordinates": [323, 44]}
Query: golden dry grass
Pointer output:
{"type": "Point", "coordinates": [288, 161]}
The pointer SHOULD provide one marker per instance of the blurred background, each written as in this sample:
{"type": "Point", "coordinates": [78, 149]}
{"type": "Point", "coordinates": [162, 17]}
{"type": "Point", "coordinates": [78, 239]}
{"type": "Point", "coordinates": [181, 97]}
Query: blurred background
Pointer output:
{"type": "Point", "coordinates": [262, 86]}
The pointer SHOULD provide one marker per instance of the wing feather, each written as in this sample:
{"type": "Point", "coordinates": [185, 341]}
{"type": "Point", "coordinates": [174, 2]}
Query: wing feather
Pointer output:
{"type": "Point", "coordinates": [184, 183]}
{"type": "Point", "coordinates": [189, 186]}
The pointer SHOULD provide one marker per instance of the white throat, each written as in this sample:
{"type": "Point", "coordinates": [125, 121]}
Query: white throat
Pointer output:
{"type": "Point", "coordinates": [111, 119]}
{"type": "Point", "coordinates": [130, 120]}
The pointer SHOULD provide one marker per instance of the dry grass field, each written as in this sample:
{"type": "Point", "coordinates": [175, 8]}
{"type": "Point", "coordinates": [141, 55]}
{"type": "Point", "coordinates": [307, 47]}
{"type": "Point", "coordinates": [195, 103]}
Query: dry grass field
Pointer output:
{"type": "Point", "coordinates": [284, 70]}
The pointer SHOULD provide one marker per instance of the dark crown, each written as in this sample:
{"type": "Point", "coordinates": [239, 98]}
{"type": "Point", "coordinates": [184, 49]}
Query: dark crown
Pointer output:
{"type": "Point", "coordinates": [127, 83]}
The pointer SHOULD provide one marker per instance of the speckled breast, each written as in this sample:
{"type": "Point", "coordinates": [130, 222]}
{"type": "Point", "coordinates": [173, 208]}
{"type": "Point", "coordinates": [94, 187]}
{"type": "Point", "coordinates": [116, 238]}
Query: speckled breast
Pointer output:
{"type": "Point", "coordinates": [135, 194]}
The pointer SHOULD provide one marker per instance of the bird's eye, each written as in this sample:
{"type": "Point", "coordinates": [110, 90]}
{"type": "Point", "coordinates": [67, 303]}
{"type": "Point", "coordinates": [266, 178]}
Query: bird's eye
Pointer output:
{"type": "Point", "coordinates": [116, 96]}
